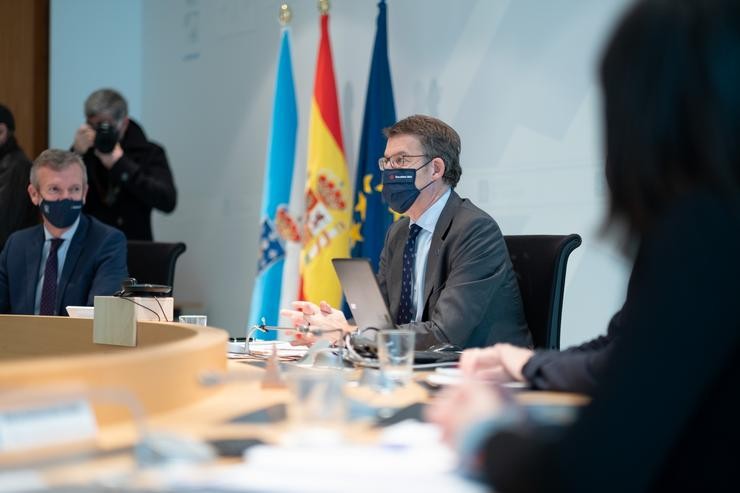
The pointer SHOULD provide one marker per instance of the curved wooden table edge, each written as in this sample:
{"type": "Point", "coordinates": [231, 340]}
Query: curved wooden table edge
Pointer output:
{"type": "Point", "coordinates": [161, 376]}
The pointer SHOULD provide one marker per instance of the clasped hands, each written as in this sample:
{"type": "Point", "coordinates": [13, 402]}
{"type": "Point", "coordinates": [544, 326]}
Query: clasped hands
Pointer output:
{"type": "Point", "coordinates": [331, 321]}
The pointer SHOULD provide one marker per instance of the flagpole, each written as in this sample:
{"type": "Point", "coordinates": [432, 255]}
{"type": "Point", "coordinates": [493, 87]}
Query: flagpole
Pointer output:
{"type": "Point", "coordinates": [371, 216]}
{"type": "Point", "coordinates": [277, 228]}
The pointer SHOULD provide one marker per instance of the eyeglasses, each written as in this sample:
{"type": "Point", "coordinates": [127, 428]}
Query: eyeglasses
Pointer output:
{"type": "Point", "coordinates": [397, 161]}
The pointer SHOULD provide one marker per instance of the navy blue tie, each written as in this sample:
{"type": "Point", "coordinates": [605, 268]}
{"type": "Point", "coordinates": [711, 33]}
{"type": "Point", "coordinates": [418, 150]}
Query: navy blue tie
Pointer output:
{"type": "Point", "coordinates": [49, 289]}
{"type": "Point", "coordinates": [406, 307]}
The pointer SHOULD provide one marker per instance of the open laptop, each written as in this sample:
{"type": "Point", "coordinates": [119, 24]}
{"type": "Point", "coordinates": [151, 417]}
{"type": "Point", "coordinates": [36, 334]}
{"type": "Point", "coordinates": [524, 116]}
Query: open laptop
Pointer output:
{"type": "Point", "coordinates": [362, 293]}
{"type": "Point", "coordinates": [368, 307]}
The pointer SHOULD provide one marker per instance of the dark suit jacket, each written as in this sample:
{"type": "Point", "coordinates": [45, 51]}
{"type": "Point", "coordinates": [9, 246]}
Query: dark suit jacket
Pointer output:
{"type": "Point", "coordinates": [16, 209]}
{"type": "Point", "coordinates": [141, 180]}
{"type": "Point", "coordinates": [665, 415]}
{"type": "Point", "coordinates": [95, 265]}
{"type": "Point", "coordinates": [577, 369]}
{"type": "Point", "coordinates": [471, 295]}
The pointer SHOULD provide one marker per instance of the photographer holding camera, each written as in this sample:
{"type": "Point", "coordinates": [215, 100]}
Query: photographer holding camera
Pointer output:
{"type": "Point", "coordinates": [128, 174]}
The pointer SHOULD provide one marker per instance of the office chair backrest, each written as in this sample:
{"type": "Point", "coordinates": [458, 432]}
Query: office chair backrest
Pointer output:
{"type": "Point", "coordinates": [152, 262]}
{"type": "Point", "coordinates": [539, 263]}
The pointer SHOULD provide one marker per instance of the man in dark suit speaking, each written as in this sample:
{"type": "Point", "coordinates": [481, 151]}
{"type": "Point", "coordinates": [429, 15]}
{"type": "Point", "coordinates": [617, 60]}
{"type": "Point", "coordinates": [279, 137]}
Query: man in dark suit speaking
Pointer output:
{"type": "Point", "coordinates": [444, 271]}
{"type": "Point", "coordinates": [70, 258]}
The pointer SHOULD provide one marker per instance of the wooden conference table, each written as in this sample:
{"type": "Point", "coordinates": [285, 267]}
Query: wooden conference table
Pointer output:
{"type": "Point", "coordinates": [165, 375]}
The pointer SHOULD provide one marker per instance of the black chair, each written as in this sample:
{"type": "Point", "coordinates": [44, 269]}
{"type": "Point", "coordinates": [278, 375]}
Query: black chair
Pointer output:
{"type": "Point", "coordinates": [152, 262]}
{"type": "Point", "coordinates": [539, 263]}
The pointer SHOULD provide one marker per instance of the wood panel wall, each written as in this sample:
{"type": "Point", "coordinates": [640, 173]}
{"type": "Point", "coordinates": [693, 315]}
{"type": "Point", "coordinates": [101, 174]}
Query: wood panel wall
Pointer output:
{"type": "Point", "coordinates": [24, 70]}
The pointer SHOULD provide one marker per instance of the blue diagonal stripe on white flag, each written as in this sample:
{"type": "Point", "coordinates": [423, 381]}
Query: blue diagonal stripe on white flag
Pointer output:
{"type": "Point", "coordinates": [276, 191]}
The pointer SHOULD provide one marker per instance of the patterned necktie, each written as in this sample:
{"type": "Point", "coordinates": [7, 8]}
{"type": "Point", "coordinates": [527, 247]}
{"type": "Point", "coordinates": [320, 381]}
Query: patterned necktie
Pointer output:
{"type": "Point", "coordinates": [406, 307]}
{"type": "Point", "coordinates": [49, 289]}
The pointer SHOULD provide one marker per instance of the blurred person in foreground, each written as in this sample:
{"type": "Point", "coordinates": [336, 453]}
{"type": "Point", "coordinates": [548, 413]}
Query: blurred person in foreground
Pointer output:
{"type": "Point", "coordinates": [70, 258]}
{"type": "Point", "coordinates": [664, 416]}
{"type": "Point", "coordinates": [576, 369]}
{"type": "Point", "coordinates": [16, 210]}
{"type": "Point", "coordinates": [129, 175]}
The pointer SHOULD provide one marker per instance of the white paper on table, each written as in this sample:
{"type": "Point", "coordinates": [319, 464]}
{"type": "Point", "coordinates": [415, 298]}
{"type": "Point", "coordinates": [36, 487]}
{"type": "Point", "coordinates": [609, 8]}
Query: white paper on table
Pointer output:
{"type": "Point", "coordinates": [423, 463]}
{"type": "Point", "coordinates": [21, 480]}
{"type": "Point", "coordinates": [46, 424]}
{"type": "Point", "coordinates": [264, 349]}
{"type": "Point", "coordinates": [454, 376]}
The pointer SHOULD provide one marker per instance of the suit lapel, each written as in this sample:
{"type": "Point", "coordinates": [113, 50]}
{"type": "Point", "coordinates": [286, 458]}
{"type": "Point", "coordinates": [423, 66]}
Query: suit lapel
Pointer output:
{"type": "Point", "coordinates": [33, 266]}
{"type": "Point", "coordinates": [70, 262]}
{"type": "Point", "coordinates": [398, 241]}
{"type": "Point", "coordinates": [438, 237]}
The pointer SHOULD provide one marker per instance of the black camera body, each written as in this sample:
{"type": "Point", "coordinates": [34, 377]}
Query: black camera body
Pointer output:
{"type": "Point", "coordinates": [106, 137]}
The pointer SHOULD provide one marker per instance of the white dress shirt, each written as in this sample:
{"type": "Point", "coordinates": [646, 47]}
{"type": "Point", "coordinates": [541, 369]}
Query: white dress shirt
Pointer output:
{"type": "Point", "coordinates": [427, 222]}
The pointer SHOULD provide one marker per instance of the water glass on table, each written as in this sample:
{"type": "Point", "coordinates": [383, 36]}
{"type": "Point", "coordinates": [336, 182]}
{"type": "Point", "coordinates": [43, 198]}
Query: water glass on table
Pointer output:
{"type": "Point", "coordinates": [194, 319]}
{"type": "Point", "coordinates": [317, 409]}
{"type": "Point", "coordinates": [396, 355]}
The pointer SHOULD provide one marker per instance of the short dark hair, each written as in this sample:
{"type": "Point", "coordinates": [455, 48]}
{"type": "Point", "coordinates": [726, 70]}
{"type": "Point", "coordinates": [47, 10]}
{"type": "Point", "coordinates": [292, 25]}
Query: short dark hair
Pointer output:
{"type": "Point", "coordinates": [6, 117]}
{"type": "Point", "coordinates": [106, 102]}
{"type": "Point", "coordinates": [438, 140]}
{"type": "Point", "coordinates": [57, 160]}
{"type": "Point", "coordinates": [670, 77]}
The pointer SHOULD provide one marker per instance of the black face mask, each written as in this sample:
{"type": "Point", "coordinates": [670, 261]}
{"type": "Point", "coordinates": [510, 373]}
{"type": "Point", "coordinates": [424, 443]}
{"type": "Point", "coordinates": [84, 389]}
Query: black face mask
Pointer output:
{"type": "Point", "coordinates": [61, 213]}
{"type": "Point", "coordinates": [399, 187]}
{"type": "Point", "coordinates": [106, 137]}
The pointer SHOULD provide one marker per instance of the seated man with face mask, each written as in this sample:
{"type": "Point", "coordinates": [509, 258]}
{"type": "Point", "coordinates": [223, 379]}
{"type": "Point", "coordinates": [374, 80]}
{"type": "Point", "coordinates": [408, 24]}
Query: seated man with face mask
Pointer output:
{"type": "Point", "coordinates": [70, 258]}
{"type": "Point", "coordinates": [444, 271]}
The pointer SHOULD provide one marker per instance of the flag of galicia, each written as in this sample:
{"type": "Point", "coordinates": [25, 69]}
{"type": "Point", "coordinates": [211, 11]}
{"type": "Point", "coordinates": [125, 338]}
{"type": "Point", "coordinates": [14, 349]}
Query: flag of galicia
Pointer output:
{"type": "Point", "coordinates": [275, 227]}
{"type": "Point", "coordinates": [371, 216]}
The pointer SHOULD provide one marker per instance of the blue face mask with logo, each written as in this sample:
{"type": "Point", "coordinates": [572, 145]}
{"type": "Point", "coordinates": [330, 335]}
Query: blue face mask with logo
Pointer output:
{"type": "Point", "coordinates": [61, 213]}
{"type": "Point", "coordinates": [399, 187]}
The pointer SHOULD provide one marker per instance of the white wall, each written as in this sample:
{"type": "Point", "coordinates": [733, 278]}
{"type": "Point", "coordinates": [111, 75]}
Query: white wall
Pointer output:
{"type": "Point", "coordinates": [516, 78]}
{"type": "Point", "coordinates": [92, 44]}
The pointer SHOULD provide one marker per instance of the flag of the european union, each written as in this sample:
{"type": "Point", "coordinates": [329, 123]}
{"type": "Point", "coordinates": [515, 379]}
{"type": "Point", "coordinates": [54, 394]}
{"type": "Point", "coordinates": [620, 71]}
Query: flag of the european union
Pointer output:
{"type": "Point", "coordinates": [371, 215]}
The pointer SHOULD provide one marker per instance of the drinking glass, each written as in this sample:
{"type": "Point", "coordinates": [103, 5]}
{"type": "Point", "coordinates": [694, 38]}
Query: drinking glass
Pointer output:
{"type": "Point", "coordinates": [317, 410]}
{"type": "Point", "coordinates": [194, 319]}
{"type": "Point", "coordinates": [396, 355]}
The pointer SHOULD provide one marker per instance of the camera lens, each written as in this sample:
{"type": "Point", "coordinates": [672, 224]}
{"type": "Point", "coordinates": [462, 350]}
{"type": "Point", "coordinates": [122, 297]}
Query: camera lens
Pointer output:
{"type": "Point", "coordinates": [106, 137]}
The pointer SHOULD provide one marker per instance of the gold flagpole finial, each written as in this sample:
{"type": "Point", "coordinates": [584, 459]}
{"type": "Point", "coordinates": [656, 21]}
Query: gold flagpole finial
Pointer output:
{"type": "Point", "coordinates": [324, 6]}
{"type": "Point", "coordinates": [285, 15]}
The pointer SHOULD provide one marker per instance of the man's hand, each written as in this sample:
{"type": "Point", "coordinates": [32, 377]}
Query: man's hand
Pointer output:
{"type": "Point", "coordinates": [321, 316]}
{"type": "Point", "coordinates": [84, 139]}
{"type": "Point", "coordinates": [112, 157]}
{"type": "Point", "coordinates": [500, 363]}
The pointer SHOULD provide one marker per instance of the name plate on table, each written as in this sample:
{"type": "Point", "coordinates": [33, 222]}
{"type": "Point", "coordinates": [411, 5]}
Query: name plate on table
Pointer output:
{"type": "Point", "coordinates": [116, 317]}
{"type": "Point", "coordinates": [47, 425]}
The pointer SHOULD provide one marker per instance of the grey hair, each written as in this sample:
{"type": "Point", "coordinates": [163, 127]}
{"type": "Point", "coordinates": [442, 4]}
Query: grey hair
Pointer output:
{"type": "Point", "coordinates": [57, 160]}
{"type": "Point", "coordinates": [106, 102]}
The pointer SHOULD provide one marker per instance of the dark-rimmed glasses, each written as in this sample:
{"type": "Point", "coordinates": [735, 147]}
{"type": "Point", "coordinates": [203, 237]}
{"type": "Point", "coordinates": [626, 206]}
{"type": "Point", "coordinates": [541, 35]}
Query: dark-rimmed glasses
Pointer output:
{"type": "Point", "coordinates": [397, 161]}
